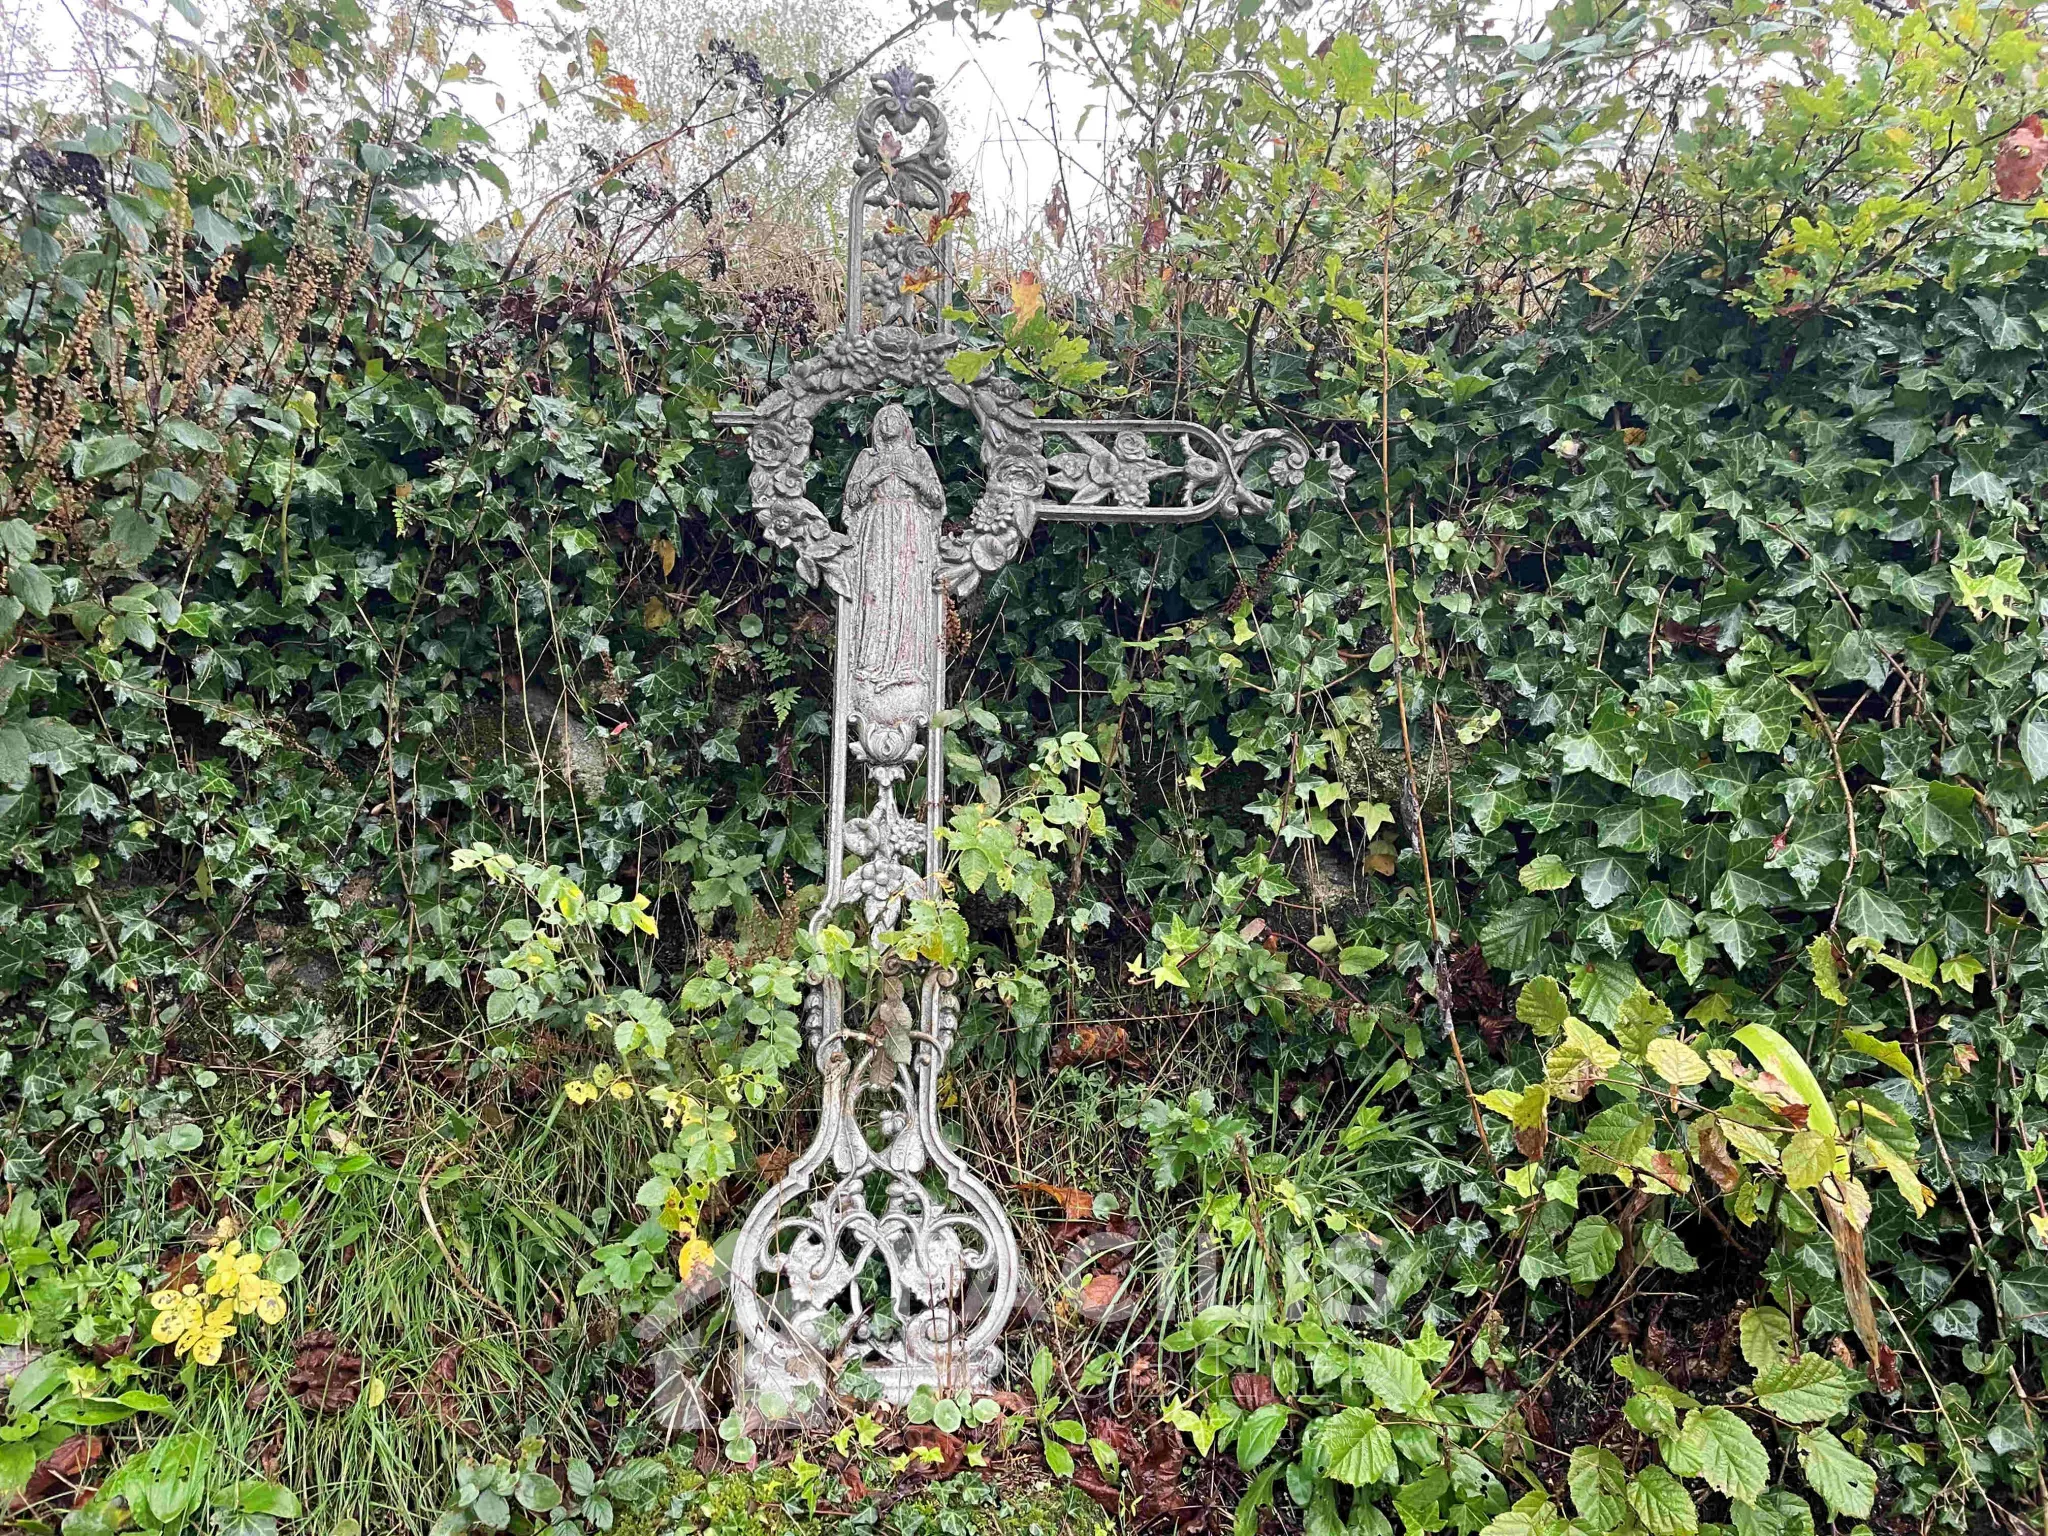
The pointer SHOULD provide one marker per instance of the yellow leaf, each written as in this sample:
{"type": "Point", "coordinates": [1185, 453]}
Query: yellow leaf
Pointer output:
{"type": "Point", "coordinates": [697, 1254]}
{"type": "Point", "coordinates": [656, 615]}
{"type": "Point", "coordinates": [1855, 1203]}
{"type": "Point", "coordinates": [1573, 1069]}
{"type": "Point", "coordinates": [1026, 297]}
{"type": "Point", "coordinates": [666, 549]}
{"type": "Point", "coordinates": [1811, 1157]}
{"type": "Point", "coordinates": [1886, 1159]}
{"type": "Point", "coordinates": [1886, 1051]}
{"type": "Point", "coordinates": [1676, 1062]}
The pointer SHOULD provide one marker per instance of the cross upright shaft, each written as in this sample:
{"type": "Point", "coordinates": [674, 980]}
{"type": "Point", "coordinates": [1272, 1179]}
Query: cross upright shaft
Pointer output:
{"type": "Point", "coordinates": [880, 1249]}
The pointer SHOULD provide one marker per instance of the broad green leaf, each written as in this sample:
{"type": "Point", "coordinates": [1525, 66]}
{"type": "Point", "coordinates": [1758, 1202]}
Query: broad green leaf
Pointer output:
{"type": "Point", "coordinates": [1662, 1504]}
{"type": "Point", "coordinates": [1541, 1005]}
{"type": "Point", "coordinates": [1838, 1475]}
{"type": "Point", "coordinates": [1719, 1447]}
{"type": "Point", "coordinates": [1513, 937]}
{"type": "Point", "coordinates": [1531, 1515]}
{"type": "Point", "coordinates": [1356, 1447]}
{"type": "Point", "coordinates": [98, 456]}
{"type": "Point", "coordinates": [1592, 1248]}
{"type": "Point", "coordinates": [1766, 1338]}
{"type": "Point", "coordinates": [1393, 1377]}
{"type": "Point", "coordinates": [1598, 1484]}
{"type": "Point", "coordinates": [1809, 1157]}
{"type": "Point", "coordinates": [1257, 1498]}
{"type": "Point", "coordinates": [1546, 872]}
{"type": "Point", "coordinates": [1806, 1390]}
{"type": "Point", "coordinates": [1258, 1432]}
{"type": "Point", "coordinates": [17, 1465]}
{"type": "Point", "coordinates": [1780, 1512]}
{"type": "Point", "coordinates": [257, 1497]}
{"type": "Point", "coordinates": [1571, 1070]}
{"type": "Point", "coordinates": [189, 434]}
{"type": "Point", "coordinates": [1827, 976]}
{"type": "Point", "coordinates": [1604, 989]}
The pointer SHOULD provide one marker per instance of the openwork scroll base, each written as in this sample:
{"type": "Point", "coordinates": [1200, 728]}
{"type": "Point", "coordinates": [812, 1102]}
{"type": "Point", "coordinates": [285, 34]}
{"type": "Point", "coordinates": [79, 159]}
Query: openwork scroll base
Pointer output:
{"type": "Point", "coordinates": [880, 1260]}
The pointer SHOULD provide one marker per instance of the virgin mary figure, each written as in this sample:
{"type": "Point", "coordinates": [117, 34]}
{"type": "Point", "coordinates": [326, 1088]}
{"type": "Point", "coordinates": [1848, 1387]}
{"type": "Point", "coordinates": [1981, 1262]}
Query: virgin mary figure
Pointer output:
{"type": "Point", "coordinates": [894, 504]}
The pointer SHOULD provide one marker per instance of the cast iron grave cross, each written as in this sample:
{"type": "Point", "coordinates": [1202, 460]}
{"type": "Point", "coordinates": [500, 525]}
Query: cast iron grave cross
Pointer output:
{"type": "Point", "coordinates": [880, 1248]}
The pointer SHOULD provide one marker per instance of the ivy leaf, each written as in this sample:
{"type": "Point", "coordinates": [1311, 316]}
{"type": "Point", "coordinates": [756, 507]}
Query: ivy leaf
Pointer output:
{"type": "Point", "coordinates": [1936, 816]}
{"type": "Point", "coordinates": [2033, 744]}
{"type": "Point", "coordinates": [1604, 882]}
{"type": "Point", "coordinates": [32, 585]}
{"type": "Point", "coordinates": [1662, 1504]}
{"type": "Point", "coordinates": [1603, 748]}
{"type": "Point", "coordinates": [1664, 917]}
{"type": "Point", "coordinates": [1744, 937]}
{"type": "Point", "coordinates": [1357, 1449]}
{"type": "Point", "coordinates": [14, 757]}
{"type": "Point", "coordinates": [1665, 1249]}
{"type": "Point", "coordinates": [1870, 914]}
{"type": "Point", "coordinates": [1761, 718]}
{"type": "Point", "coordinates": [1837, 1474]}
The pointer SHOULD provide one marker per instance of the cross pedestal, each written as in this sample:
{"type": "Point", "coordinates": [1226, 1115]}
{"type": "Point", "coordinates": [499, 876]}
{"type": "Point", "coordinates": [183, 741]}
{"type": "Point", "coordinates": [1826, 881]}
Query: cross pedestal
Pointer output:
{"type": "Point", "coordinates": [880, 1248]}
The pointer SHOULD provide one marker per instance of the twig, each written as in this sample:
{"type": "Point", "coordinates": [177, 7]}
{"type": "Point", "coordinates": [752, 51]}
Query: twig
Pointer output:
{"type": "Point", "coordinates": [434, 1231]}
{"type": "Point", "coordinates": [1411, 797]}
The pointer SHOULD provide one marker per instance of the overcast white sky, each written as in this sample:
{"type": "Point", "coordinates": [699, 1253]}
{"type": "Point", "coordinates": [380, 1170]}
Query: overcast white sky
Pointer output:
{"type": "Point", "coordinates": [1003, 118]}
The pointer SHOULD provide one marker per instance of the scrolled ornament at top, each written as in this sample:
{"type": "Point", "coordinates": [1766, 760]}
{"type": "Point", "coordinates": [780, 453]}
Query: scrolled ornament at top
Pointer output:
{"type": "Point", "coordinates": [903, 98]}
{"type": "Point", "coordinates": [899, 266]}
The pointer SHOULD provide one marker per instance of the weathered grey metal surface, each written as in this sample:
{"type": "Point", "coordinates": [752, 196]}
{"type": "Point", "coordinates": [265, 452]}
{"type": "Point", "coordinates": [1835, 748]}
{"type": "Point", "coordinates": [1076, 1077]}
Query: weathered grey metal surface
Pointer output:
{"type": "Point", "coordinates": [881, 1248]}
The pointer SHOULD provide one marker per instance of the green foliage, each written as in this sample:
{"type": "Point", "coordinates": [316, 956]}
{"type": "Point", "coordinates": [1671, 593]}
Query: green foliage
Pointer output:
{"type": "Point", "coordinates": [410, 774]}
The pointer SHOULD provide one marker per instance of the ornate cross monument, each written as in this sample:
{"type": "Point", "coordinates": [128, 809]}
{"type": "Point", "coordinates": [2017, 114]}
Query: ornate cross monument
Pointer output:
{"type": "Point", "coordinates": [880, 1248]}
